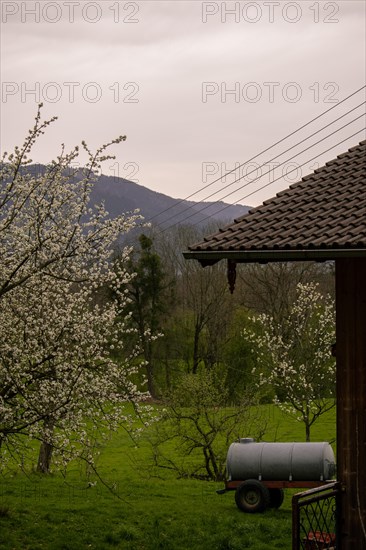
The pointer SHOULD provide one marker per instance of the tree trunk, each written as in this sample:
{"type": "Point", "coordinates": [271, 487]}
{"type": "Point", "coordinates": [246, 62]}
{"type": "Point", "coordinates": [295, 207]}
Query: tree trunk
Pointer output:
{"type": "Point", "coordinates": [307, 423]}
{"type": "Point", "coordinates": [148, 356]}
{"type": "Point", "coordinates": [150, 380]}
{"type": "Point", "coordinates": [44, 458]}
{"type": "Point", "coordinates": [168, 381]}
{"type": "Point", "coordinates": [45, 452]}
{"type": "Point", "coordinates": [307, 432]}
{"type": "Point", "coordinates": [195, 349]}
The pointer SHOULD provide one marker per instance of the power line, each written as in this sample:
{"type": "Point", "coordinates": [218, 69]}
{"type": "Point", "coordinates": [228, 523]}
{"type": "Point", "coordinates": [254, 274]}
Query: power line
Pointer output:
{"type": "Point", "coordinates": [282, 163]}
{"type": "Point", "coordinates": [179, 201]}
{"type": "Point", "coordinates": [289, 172]}
{"type": "Point", "coordinates": [283, 152]}
{"type": "Point", "coordinates": [261, 166]}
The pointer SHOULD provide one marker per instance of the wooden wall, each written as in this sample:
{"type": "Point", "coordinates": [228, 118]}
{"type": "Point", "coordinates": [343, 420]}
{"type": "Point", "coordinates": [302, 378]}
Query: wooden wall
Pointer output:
{"type": "Point", "coordinates": [351, 398]}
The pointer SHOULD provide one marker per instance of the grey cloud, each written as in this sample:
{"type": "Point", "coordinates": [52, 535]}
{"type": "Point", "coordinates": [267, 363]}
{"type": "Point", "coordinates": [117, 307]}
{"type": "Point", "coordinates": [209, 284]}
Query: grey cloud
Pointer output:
{"type": "Point", "coordinates": [169, 54]}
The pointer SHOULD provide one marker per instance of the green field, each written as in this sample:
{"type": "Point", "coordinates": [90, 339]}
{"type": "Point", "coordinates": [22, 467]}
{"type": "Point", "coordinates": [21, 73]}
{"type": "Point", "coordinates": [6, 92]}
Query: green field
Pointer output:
{"type": "Point", "coordinates": [146, 511]}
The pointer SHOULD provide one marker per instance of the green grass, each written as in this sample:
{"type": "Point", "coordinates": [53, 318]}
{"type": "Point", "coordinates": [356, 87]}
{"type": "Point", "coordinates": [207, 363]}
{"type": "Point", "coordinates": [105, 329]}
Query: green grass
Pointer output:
{"type": "Point", "coordinates": [146, 512]}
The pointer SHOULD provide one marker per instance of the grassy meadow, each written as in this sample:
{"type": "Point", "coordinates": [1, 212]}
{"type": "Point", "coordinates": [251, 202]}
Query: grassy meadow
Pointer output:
{"type": "Point", "coordinates": [149, 510]}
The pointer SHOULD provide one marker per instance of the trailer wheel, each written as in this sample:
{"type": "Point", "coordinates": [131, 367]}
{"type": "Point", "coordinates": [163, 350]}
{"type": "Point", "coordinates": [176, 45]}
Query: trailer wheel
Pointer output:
{"type": "Point", "coordinates": [252, 496]}
{"type": "Point", "coordinates": [276, 497]}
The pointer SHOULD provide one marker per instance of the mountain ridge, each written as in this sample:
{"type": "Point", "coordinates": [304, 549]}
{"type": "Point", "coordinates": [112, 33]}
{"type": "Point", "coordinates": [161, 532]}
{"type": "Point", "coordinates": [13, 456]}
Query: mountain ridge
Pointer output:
{"type": "Point", "coordinates": [121, 195]}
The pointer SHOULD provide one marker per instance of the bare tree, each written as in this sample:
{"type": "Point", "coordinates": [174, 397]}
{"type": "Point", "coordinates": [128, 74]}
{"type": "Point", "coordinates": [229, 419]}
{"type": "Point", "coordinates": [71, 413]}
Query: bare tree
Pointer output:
{"type": "Point", "coordinates": [271, 288]}
{"type": "Point", "coordinates": [197, 426]}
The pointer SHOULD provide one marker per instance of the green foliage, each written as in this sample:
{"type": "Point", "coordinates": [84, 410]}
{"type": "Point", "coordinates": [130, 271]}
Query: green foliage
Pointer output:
{"type": "Point", "coordinates": [294, 357]}
{"type": "Point", "coordinates": [146, 512]}
{"type": "Point", "coordinates": [198, 423]}
{"type": "Point", "coordinates": [198, 321]}
{"type": "Point", "coordinates": [238, 356]}
{"type": "Point", "coordinates": [147, 287]}
{"type": "Point", "coordinates": [149, 297]}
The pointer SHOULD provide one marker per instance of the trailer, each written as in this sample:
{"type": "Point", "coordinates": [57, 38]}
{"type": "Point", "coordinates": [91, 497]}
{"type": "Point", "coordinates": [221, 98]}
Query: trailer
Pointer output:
{"type": "Point", "coordinates": [259, 472]}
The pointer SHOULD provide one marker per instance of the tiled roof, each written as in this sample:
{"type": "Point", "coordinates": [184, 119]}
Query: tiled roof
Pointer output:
{"type": "Point", "coordinates": [321, 216]}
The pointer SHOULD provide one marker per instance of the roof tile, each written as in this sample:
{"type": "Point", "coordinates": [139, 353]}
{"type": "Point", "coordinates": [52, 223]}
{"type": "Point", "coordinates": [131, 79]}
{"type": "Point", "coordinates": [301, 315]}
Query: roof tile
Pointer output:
{"type": "Point", "coordinates": [325, 210]}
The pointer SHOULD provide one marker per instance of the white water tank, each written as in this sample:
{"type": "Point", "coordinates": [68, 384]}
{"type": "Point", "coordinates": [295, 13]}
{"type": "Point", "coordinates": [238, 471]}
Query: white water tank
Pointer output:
{"type": "Point", "coordinates": [248, 459]}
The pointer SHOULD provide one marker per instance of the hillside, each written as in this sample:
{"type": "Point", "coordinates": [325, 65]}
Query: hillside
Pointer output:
{"type": "Point", "coordinates": [121, 195]}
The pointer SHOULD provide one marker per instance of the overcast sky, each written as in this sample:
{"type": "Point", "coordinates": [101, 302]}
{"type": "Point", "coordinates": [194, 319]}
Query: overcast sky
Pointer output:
{"type": "Point", "coordinates": [197, 87]}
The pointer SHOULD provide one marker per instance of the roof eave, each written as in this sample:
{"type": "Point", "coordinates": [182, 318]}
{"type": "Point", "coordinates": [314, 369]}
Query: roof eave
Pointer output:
{"type": "Point", "coordinates": [210, 257]}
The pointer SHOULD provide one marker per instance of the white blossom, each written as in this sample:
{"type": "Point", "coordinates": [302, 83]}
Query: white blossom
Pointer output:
{"type": "Point", "coordinates": [59, 382]}
{"type": "Point", "coordinates": [296, 363]}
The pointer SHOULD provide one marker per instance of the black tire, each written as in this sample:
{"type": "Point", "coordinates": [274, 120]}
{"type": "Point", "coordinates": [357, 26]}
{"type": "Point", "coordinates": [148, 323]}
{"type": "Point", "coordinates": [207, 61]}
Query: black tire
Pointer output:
{"type": "Point", "coordinates": [252, 497]}
{"type": "Point", "coordinates": [276, 497]}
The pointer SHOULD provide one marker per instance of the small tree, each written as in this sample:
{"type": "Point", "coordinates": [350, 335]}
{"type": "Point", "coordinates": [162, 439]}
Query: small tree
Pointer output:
{"type": "Point", "coordinates": [294, 359]}
{"type": "Point", "coordinates": [148, 298]}
{"type": "Point", "coordinates": [237, 355]}
{"type": "Point", "coordinates": [198, 424]}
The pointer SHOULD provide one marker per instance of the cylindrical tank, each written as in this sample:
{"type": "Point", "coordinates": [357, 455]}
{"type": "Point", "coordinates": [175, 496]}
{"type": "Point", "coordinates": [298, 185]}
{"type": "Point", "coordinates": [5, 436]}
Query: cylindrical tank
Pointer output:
{"type": "Point", "coordinates": [248, 459]}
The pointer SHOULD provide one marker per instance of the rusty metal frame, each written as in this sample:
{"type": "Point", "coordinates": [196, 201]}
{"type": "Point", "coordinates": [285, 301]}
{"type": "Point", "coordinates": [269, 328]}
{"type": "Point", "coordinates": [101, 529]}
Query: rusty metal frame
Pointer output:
{"type": "Point", "coordinates": [301, 500]}
{"type": "Point", "coordinates": [231, 485]}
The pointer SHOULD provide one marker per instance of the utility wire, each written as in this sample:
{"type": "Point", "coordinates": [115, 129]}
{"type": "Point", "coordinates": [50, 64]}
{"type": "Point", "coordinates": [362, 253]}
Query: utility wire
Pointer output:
{"type": "Point", "coordinates": [179, 201]}
{"type": "Point", "coordinates": [282, 153]}
{"type": "Point", "coordinates": [259, 167]}
{"type": "Point", "coordinates": [269, 171]}
{"type": "Point", "coordinates": [266, 173]}
{"type": "Point", "coordinates": [280, 177]}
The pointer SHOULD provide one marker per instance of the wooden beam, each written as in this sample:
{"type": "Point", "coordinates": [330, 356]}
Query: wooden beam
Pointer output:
{"type": "Point", "coordinates": [231, 275]}
{"type": "Point", "coordinates": [351, 399]}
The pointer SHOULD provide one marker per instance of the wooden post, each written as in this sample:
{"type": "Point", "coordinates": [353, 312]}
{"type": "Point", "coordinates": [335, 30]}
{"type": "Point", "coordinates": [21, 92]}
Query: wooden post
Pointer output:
{"type": "Point", "coordinates": [351, 399]}
{"type": "Point", "coordinates": [231, 275]}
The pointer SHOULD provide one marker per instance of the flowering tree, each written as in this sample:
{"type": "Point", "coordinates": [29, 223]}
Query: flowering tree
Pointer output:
{"type": "Point", "coordinates": [59, 383]}
{"type": "Point", "coordinates": [294, 358]}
